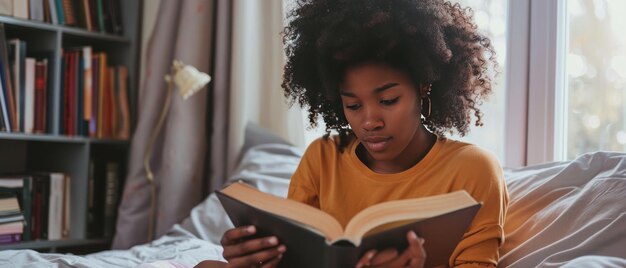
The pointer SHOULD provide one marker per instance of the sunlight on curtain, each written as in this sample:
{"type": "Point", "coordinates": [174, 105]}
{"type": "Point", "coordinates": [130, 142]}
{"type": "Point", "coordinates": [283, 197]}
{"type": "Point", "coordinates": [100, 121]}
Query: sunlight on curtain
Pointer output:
{"type": "Point", "coordinates": [596, 77]}
{"type": "Point", "coordinates": [491, 18]}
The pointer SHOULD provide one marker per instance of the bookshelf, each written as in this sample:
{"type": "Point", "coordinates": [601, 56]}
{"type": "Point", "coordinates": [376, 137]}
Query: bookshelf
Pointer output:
{"type": "Point", "coordinates": [55, 152]}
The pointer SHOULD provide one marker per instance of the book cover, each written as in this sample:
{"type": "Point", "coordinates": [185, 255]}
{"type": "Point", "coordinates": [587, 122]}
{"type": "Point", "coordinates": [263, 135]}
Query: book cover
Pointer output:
{"type": "Point", "coordinates": [80, 94]}
{"type": "Point", "coordinates": [7, 84]}
{"type": "Point", "coordinates": [8, 100]}
{"type": "Point", "coordinates": [69, 12]}
{"type": "Point", "coordinates": [92, 223]}
{"type": "Point", "coordinates": [100, 15]}
{"type": "Point", "coordinates": [41, 80]}
{"type": "Point", "coordinates": [2, 126]}
{"type": "Point", "coordinates": [4, 111]}
{"type": "Point", "coordinates": [10, 238]}
{"type": "Point", "coordinates": [112, 104]}
{"type": "Point", "coordinates": [46, 12]}
{"type": "Point", "coordinates": [87, 82]}
{"type": "Point", "coordinates": [111, 198]}
{"type": "Point", "coordinates": [22, 186]}
{"type": "Point", "coordinates": [36, 9]}
{"type": "Point", "coordinates": [6, 7]}
{"type": "Point", "coordinates": [102, 95]}
{"type": "Point", "coordinates": [67, 192]}
{"type": "Point", "coordinates": [52, 7]}
{"type": "Point", "coordinates": [20, 9]}
{"type": "Point", "coordinates": [61, 14]}
{"type": "Point", "coordinates": [55, 206]}
{"type": "Point", "coordinates": [17, 58]}
{"type": "Point", "coordinates": [116, 17]}
{"type": "Point", "coordinates": [29, 95]}
{"type": "Point", "coordinates": [307, 231]}
{"type": "Point", "coordinates": [93, 123]}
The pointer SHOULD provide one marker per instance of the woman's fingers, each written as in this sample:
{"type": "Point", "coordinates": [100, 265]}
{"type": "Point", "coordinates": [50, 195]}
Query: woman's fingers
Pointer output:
{"type": "Point", "coordinates": [249, 246]}
{"type": "Point", "coordinates": [384, 256]}
{"type": "Point", "coordinates": [231, 236]}
{"type": "Point", "coordinates": [415, 253]}
{"type": "Point", "coordinates": [414, 256]}
{"type": "Point", "coordinates": [258, 258]}
{"type": "Point", "coordinates": [272, 263]}
{"type": "Point", "coordinates": [366, 259]}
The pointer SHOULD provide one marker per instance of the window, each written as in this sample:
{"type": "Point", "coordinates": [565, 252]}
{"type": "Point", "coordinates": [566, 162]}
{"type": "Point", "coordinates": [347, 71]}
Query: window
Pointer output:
{"type": "Point", "coordinates": [491, 18]}
{"type": "Point", "coordinates": [595, 75]}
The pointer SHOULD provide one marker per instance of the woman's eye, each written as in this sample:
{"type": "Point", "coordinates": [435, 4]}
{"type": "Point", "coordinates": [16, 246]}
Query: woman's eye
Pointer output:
{"type": "Point", "coordinates": [353, 106]}
{"type": "Point", "coordinates": [389, 102]}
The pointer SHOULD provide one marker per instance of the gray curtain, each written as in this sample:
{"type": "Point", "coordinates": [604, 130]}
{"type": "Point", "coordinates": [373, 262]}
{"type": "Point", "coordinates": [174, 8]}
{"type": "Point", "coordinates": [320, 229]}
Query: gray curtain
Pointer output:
{"type": "Point", "coordinates": [220, 92]}
{"type": "Point", "coordinates": [183, 31]}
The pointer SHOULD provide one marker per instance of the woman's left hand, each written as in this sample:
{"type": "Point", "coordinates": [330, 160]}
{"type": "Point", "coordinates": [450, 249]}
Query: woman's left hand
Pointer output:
{"type": "Point", "coordinates": [414, 256]}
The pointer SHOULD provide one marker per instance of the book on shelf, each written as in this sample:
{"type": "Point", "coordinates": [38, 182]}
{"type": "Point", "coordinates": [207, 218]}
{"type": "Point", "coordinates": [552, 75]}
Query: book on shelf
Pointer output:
{"type": "Point", "coordinates": [6, 7]}
{"type": "Point", "coordinates": [92, 15]}
{"type": "Point", "coordinates": [9, 208]}
{"type": "Point", "coordinates": [17, 61]}
{"type": "Point", "coordinates": [111, 198]}
{"type": "Point", "coordinates": [5, 83]}
{"type": "Point", "coordinates": [11, 217]}
{"type": "Point", "coordinates": [102, 204]}
{"type": "Point", "coordinates": [53, 14]}
{"type": "Point", "coordinates": [94, 95]}
{"type": "Point", "coordinates": [44, 202]}
{"type": "Point", "coordinates": [21, 186]}
{"type": "Point", "coordinates": [29, 95]}
{"type": "Point", "coordinates": [36, 10]}
{"type": "Point", "coordinates": [315, 239]}
{"type": "Point", "coordinates": [41, 96]}
{"type": "Point", "coordinates": [20, 9]}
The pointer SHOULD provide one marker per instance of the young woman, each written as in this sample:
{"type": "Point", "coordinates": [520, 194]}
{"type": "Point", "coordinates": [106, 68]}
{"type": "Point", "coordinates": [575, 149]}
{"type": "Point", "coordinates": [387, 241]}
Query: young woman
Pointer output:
{"type": "Point", "coordinates": [391, 78]}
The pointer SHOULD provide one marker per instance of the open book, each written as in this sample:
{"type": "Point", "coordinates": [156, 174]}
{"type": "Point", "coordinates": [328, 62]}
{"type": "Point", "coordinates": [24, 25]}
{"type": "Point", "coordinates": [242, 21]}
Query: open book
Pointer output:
{"type": "Point", "coordinates": [315, 239]}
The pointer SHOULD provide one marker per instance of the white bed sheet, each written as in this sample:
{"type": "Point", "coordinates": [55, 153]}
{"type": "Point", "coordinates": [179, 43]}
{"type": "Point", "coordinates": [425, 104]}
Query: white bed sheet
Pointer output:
{"type": "Point", "coordinates": [570, 213]}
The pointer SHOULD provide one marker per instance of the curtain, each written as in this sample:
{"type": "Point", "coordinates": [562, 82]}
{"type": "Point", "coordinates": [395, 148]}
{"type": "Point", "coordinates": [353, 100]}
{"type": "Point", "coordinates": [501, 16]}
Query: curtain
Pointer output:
{"type": "Point", "coordinates": [255, 95]}
{"type": "Point", "coordinates": [182, 31]}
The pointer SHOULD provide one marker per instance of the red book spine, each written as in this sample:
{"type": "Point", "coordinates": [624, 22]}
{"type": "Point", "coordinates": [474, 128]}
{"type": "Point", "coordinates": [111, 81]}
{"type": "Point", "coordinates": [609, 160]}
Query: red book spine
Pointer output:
{"type": "Point", "coordinates": [40, 87]}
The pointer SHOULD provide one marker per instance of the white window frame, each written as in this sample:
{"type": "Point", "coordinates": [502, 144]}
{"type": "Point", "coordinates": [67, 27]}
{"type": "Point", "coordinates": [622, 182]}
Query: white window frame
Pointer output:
{"type": "Point", "coordinates": [535, 102]}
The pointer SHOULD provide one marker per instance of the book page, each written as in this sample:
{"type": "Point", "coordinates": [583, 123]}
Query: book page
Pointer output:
{"type": "Point", "coordinates": [391, 214]}
{"type": "Point", "coordinates": [303, 214]}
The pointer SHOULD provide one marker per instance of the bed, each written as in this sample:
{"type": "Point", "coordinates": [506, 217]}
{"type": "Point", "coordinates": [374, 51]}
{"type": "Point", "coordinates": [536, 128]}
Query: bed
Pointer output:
{"type": "Point", "coordinates": [565, 214]}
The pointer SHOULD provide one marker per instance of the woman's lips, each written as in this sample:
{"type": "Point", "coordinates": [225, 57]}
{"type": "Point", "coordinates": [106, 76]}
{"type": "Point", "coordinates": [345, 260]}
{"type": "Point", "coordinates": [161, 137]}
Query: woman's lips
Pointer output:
{"type": "Point", "coordinates": [376, 144]}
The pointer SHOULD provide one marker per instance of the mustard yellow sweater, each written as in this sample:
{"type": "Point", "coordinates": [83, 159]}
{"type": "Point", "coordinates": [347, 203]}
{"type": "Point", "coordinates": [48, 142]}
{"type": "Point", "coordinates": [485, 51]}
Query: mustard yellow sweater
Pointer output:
{"type": "Point", "coordinates": [341, 185]}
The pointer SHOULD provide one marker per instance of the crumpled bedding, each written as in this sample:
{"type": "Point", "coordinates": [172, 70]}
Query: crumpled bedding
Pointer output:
{"type": "Point", "coordinates": [566, 214]}
{"type": "Point", "coordinates": [569, 213]}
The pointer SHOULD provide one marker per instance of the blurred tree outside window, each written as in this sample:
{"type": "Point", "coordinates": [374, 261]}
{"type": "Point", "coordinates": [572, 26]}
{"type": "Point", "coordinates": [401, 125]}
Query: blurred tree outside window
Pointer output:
{"type": "Point", "coordinates": [596, 77]}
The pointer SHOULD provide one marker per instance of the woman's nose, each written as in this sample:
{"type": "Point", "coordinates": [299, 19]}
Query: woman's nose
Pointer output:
{"type": "Point", "coordinates": [373, 120]}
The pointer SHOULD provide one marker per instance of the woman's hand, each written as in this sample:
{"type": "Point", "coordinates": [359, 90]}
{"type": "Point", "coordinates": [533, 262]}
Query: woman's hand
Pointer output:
{"type": "Point", "coordinates": [241, 251]}
{"type": "Point", "coordinates": [414, 256]}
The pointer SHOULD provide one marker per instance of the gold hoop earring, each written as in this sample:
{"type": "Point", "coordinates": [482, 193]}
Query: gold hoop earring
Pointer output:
{"type": "Point", "coordinates": [430, 103]}
{"type": "Point", "coordinates": [429, 106]}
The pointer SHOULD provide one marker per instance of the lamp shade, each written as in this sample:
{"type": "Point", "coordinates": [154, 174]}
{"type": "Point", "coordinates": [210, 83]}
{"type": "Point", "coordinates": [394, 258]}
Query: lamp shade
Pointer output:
{"type": "Point", "coordinates": [188, 79]}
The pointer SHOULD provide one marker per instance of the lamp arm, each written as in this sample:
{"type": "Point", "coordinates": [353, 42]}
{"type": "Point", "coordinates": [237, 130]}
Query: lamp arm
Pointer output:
{"type": "Point", "coordinates": [146, 158]}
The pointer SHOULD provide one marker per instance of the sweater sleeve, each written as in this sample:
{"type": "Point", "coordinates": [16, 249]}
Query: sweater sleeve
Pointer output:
{"type": "Point", "coordinates": [484, 180]}
{"type": "Point", "coordinates": [303, 186]}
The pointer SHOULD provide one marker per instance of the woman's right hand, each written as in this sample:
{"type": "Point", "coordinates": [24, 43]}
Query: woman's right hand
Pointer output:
{"type": "Point", "coordinates": [241, 251]}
